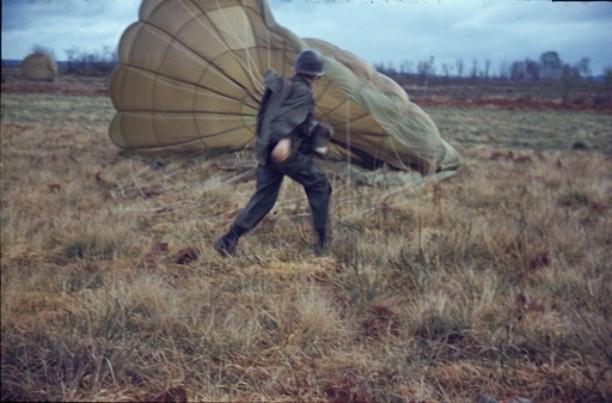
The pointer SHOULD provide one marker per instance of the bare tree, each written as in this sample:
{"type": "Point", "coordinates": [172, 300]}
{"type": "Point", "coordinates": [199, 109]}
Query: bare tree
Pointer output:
{"type": "Point", "coordinates": [474, 73]}
{"type": "Point", "coordinates": [98, 63]}
{"type": "Point", "coordinates": [459, 64]}
{"type": "Point", "coordinates": [584, 67]}
{"type": "Point", "coordinates": [570, 76]}
{"type": "Point", "coordinates": [607, 73]}
{"type": "Point", "coordinates": [447, 69]}
{"type": "Point", "coordinates": [504, 70]}
{"type": "Point", "coordinates": [551, 65]}
{"type": "Point", "coordinates": [406, 67]}
{"type": "Point", "coordinates": [426, 69]}
{"type": "Point", "coordinates": [44, 50]}
{"type": "Point", "coordinates": [487, 69]}
{"type": "Point", "coordinates": [532, 70]}
{"type": "Point", "coordinates": [517, 71]}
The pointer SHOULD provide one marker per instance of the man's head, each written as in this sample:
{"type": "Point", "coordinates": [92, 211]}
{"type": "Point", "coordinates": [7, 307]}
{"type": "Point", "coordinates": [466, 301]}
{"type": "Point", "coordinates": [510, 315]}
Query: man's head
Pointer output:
{"type": "Point", "coordinates": [310, 63]}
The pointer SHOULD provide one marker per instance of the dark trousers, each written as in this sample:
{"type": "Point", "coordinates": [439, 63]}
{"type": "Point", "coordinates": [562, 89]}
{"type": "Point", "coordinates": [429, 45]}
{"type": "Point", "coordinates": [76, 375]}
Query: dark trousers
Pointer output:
{"type": "Point", "coordinates": [301, 168]}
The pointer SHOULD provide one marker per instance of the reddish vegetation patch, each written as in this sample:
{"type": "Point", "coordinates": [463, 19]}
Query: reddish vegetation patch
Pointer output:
{"type": "Point", "coordinates": [525, 305]}
{"type": "Point", "coordinates": [380, 322]}
{"type": "Point", "coordinates": [149, 192]}
{"type": "Point", "coordinates": [159, 250]}
{"type": "Point", "coordinates": [352, 387]}
{"type": "Point", "coordinates": [187, 255]}
{"type": "Point", "coordinates": [178, 394]}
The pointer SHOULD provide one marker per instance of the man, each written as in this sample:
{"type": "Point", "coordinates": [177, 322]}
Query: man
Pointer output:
{"type": "Point", "coordinates": [287, 135]}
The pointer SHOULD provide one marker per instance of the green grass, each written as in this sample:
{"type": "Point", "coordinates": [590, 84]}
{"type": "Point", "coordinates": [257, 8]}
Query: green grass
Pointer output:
{"type": "Point", "coordinates": [54, 110]}
{"type": "Point", "coordinates": [525, 129]}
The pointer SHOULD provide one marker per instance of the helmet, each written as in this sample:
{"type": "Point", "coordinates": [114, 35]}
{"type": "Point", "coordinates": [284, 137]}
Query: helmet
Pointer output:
{"type": "Point", "coordinates": [309, 62]}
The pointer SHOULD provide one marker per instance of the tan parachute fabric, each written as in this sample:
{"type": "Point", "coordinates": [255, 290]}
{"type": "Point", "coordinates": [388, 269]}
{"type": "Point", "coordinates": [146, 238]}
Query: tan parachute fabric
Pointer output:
{"type": "Point", "coordinates": [39, 66]}
{"type": "Point", "coordinates": [190, 78]}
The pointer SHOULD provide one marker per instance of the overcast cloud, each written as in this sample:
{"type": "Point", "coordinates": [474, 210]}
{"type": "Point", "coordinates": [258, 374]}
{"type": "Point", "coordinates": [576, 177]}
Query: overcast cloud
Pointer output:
{"type": "Point", "coordinates": [379, 31]}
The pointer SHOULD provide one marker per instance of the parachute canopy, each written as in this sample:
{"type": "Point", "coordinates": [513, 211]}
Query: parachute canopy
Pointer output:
{"type": "Point", "coordinates": [190, 79]}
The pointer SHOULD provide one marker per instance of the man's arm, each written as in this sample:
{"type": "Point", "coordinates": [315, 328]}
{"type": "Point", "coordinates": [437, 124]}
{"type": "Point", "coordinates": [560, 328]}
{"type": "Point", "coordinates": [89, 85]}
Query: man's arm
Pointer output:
{"type": "Point", "coordinates": [292, 113]}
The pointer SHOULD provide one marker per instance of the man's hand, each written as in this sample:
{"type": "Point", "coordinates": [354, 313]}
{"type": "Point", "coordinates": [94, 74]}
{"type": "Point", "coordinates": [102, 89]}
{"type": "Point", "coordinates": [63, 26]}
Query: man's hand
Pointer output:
{"type": "Point", "coordinates": [281, 151]}
{"type": "Point", "coordinates": [321, 134]}
{"type": "Point", "coordinates": [322, 151]}
{"type": "Point", "coordinates": [328, 128]}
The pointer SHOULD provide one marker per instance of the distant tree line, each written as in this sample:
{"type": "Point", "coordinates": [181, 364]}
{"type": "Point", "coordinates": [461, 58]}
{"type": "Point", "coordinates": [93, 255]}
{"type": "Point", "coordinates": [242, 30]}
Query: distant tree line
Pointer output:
{"type": "Point", "coordinates": [97, 63]}
{"type": "Point", "coordinates": [86, 63]}
{"type": "Point", "coordinates": [550, 66]}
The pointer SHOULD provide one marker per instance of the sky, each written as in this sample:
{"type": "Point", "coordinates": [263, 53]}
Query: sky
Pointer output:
{"type": "Point", "coordinates": [397, 33]}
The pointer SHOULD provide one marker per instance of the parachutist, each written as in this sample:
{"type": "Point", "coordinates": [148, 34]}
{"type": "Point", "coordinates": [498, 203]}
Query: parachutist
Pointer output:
{"type": "Point", "coordinates": [286, 137]}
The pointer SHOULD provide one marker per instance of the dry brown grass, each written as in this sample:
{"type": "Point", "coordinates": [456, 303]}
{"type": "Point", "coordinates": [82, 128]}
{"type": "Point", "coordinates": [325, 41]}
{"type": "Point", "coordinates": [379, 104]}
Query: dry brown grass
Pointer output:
{"type": "Point", "coordinates": [496, 281]}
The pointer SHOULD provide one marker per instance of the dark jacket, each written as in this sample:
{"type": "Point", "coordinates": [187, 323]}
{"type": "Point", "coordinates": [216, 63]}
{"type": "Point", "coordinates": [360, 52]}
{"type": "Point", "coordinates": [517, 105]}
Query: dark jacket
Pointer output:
{"type": "Point", "coordinates": [286, 111]}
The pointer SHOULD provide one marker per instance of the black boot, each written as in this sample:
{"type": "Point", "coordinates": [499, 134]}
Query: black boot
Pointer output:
{"type": "Point", "coordinates": [226, 245]}
{"type": "Point", "coordinates": [323, 242]}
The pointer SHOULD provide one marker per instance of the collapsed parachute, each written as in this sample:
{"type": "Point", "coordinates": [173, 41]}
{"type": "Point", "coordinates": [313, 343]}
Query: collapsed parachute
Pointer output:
{"type": "Point", "coordinates": [190, 79]}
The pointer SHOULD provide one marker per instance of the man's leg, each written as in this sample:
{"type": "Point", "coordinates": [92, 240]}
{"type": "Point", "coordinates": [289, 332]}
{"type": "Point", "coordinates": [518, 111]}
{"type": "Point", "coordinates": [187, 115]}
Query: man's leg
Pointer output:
{"type": "Point", "coordinates": [267, 187]}
{"type": "Point", "coordinates": [318, 190]}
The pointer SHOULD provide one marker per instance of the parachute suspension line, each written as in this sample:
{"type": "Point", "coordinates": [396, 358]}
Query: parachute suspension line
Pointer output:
{"type": "Point", "coordinates": [249, 57]}
{"type": "Point", "coordinates": [252, 67]}
{"type": "Point", "coordinates": [397, 155]}
{"type": "Point", "coordinates": [217, 37]}
{"type": "Point", "coordinates": [348, 143]}
{"type": "Point", "coordinates": [268, 46]}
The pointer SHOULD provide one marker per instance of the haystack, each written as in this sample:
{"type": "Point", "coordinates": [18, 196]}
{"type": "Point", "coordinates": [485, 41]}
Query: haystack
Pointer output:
{"type": "Point", "coordinates": [39, 66]}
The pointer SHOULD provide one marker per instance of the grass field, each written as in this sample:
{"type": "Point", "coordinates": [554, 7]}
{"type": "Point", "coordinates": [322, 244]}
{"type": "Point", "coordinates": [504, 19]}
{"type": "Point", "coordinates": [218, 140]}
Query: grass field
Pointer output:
{"type": "Point", "coordinates": [496, 281]}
